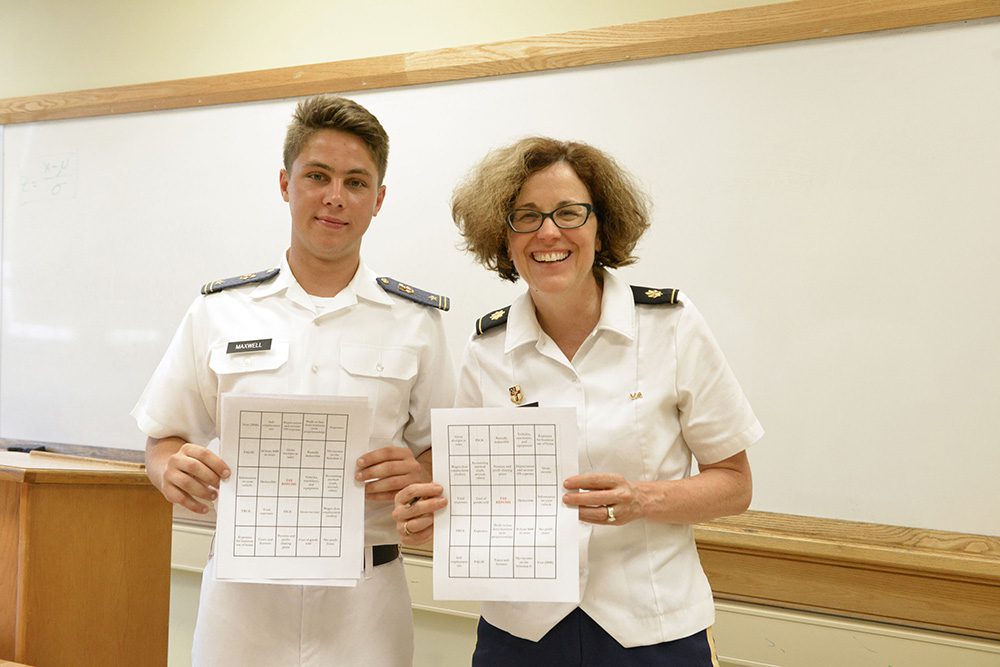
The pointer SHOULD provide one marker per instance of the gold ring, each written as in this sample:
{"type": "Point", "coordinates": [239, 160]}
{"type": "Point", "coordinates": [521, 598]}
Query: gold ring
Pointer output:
{"type": "Point", "coordinates": [611, 514]}
{"type": "Point", "coordinates": [406, 531]}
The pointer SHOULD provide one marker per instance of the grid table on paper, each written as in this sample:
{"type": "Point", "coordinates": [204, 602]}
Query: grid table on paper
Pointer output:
{"type": "Point", "coordinates": [504, 497]}
{"type": "Point", "coordinates": [290, 484]}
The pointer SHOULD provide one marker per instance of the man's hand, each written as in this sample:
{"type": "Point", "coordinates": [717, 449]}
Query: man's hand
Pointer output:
{"type": "Point", "coordinates": [389, 469]}
{"type": "Point", "coordinates": [185, 472]}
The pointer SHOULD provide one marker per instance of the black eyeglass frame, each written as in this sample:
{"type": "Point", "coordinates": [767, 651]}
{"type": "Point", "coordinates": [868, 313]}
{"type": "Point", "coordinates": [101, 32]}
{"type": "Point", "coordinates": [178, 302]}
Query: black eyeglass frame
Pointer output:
{"type": "Point", "coordinates": [551, 215]}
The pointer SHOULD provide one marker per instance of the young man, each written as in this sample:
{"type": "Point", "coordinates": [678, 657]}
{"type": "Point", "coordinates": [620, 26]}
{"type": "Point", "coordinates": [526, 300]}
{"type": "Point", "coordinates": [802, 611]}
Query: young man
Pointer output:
{"type": "Point", "coordinates": [322, 323]}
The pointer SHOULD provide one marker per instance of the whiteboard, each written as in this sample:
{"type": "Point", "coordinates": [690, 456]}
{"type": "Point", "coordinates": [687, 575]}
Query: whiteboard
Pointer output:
{"type": "Point", "coordinates": [832, 206]}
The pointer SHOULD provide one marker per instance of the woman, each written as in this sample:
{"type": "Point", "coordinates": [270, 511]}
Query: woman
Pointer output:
{"type": "Point", "coordinates": [651, 388]}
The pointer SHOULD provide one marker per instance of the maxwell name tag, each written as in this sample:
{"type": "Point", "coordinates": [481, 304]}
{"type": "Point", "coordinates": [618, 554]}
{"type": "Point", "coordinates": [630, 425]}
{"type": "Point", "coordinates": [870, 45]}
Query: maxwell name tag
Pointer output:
{"type": "Point", "coordinates": [248, 346]}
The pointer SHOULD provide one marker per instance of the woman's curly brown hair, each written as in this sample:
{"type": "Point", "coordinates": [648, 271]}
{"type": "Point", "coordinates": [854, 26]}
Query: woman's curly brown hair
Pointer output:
{"type": "Point", "coordinates": [480, 203]}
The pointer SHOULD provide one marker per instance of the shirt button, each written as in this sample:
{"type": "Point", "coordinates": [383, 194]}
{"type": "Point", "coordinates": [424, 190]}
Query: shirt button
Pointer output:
{"type": "Point", "coordinates": [379, 367]}
{"type": "Point", "coordinates": [315, 369]}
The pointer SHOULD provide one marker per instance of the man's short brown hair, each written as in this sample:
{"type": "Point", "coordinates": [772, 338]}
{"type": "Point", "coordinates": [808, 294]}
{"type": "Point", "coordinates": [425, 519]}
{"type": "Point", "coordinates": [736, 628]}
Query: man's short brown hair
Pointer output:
{"type": "Point", "coordinates": [328, 112]}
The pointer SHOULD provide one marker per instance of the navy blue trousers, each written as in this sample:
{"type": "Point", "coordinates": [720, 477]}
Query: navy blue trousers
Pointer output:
{"type": "Point", "coordinates": [578, 641]}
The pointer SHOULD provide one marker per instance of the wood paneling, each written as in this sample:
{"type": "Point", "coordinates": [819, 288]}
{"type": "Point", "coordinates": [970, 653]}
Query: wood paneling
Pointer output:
{"type": "Point", "coordinates": [9, 520]}
{"type": "Point", "coordinates": [919, 578]}
{"type": "Point", "coordinates": [90, 566]}
{"type": "Point", "coordinates": [768, 24]}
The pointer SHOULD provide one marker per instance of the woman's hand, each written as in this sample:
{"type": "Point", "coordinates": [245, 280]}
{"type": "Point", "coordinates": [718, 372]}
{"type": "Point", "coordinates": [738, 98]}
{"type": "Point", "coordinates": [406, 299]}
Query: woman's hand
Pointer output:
{"type": "Point", "coordinates": [719, 489]}
{"type": "Point", "coordinates": [414, 512]}
{"type": "Point", "coordinates": [604, 498]}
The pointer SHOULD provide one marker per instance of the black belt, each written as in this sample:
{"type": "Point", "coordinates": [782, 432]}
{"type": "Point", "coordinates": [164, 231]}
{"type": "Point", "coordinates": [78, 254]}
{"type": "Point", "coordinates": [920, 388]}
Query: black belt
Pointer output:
{"type": "Point", "coordinates": [384, 553]}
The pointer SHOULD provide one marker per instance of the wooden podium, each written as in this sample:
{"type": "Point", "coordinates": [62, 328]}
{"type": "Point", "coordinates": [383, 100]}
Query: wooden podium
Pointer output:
{"type": "Point", "coordinates": [84, 563]}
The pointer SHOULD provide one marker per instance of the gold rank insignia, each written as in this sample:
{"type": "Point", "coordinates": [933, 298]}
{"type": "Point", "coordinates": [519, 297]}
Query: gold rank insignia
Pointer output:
{"type": "Point", "coordinates": [495, 318]}
{"type": "Point", "coordinates": [238, 281]}
{"type": "Point", "coordinates": [414, 294]}
{"type": "Point", "coordinates": [654, 296]}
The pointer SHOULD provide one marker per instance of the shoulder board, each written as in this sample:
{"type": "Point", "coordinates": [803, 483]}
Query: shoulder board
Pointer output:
{"type": "Point", "coordinates": [393, 286]}
{"type": "Point", "coordinates": [237, 281]}
{"type": "Point", "coordinates": [664, 296]}
{"type": "Point", "coordinates": [493, 319]}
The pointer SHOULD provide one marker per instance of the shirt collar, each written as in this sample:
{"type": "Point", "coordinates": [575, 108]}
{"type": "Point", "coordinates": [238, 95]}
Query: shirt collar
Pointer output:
{"type": "Point", "coordinates": [522, 325]}
{"type": "Point", "coordinates": [617, 306]}
{"type": "Point", "coordinates": [362, 286]}
{"type": "Point", "coordinates": [365, 286]}
{"type": "Point", "coordinates": [283, 281]}
{"type": "Point", "coordinates": [617, 314]}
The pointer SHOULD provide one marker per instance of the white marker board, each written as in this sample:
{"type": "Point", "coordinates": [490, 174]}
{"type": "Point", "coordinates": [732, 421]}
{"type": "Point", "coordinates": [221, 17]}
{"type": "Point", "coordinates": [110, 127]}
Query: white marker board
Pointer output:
{"type": "Point", "coordinates": [832, 206]}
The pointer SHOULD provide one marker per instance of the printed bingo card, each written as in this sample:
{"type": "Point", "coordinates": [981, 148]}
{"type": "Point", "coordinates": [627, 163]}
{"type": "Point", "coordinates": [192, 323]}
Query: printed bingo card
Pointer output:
{"type": "Point", "coordinates": [291, 512]}
{"type": "Point", "coordinates": [505, 534]}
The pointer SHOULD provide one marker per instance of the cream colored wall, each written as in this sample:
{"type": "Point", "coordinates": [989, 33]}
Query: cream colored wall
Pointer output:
{"type": "Point", "coordinates": [49, 46]}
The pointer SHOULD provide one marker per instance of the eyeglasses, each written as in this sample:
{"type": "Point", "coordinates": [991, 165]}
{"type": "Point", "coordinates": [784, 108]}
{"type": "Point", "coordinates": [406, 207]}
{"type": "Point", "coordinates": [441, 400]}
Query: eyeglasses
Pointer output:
{"type": "Point", "coordinates": [570, 216]}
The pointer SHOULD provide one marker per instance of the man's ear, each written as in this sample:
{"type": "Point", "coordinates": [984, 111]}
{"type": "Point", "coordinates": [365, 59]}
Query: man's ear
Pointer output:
{"type": "Point", "coordinates": [378, 200]}
{"type": "Point", "coordinates": [283, 183]}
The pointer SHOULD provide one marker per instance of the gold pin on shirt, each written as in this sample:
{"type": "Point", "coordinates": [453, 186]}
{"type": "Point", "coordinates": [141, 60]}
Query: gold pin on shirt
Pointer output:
{"type": "Point", "coordinates": [516, 395]}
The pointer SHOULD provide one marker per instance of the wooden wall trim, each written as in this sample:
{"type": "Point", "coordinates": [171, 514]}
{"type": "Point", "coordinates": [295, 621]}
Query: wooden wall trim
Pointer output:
{"type": "Point", "coordinates": [919, 578]}
{"type": "Point", "coordinates": [922, 578]}
{"type": "Point", "coordinates": [874, 545]}
{"type": "Point", "coordinates": [767, 24]}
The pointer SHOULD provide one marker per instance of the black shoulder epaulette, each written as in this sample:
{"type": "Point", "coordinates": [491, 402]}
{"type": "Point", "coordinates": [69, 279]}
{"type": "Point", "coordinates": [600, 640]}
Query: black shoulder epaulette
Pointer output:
{"type": "Point", "coordinates": [665, 296]}
{"type": "Point", "coordinates": [236, 281]}
{"type": "Point", "coordinates": [490, 320]}
{"type": "Point", "coordinates": [393, 286]}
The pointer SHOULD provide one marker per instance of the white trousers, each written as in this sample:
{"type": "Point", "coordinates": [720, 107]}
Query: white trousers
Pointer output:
{"type": "Point", "coordinates": [266, 625]}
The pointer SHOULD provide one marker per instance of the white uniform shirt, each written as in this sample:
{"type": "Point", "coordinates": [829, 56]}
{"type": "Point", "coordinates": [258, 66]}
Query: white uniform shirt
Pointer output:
{"type": "Point", "coordinates": [642, 582]}
{"type": "Point", "coordinates": [363, 342]}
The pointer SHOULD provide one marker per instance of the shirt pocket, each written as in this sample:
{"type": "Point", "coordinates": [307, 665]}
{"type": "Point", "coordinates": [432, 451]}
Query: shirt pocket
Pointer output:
{"type": "Point", "coordinates": [385, 376]}
{"type": "Point", "coordinates": [250, 372]}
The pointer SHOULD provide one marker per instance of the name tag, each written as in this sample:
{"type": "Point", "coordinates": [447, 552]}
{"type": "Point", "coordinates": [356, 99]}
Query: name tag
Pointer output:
{"type": "Point", "coordinates": [248, 346]}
